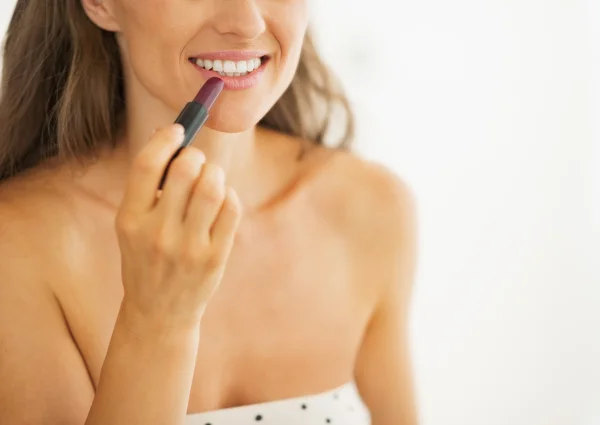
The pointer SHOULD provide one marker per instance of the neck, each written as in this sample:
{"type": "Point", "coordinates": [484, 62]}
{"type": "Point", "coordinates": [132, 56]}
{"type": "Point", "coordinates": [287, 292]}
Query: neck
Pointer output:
{"type": "Point", "coordinates": [236, 153]}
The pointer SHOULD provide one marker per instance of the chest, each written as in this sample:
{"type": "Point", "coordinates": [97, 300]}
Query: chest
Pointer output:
{"type": "Point", "coordinates": [287, 318]}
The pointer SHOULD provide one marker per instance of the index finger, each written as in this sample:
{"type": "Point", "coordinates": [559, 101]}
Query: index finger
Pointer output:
{"type": "Point", "coordinates": [148, 168]}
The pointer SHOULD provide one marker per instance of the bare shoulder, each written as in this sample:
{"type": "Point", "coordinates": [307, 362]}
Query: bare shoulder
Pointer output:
{"type": "Point", "coordinates": [383, 192]}
{"type": "Point", "coordinates": [17, 248]}
{"type": "Point", "coordinates": [373, 211]}
{"type": "Point", "coordinates": [39, 362]}
{"type": "Point", "coordinates": [23, 265]}
{"type": "Point", "coordinates": [34, 219]}
{"type": "Point", "coordinates": [367, 198]}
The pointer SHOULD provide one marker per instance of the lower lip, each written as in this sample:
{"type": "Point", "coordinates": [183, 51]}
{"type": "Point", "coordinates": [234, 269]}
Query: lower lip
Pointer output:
{"type": "Point", "coordinates": [236, 83]}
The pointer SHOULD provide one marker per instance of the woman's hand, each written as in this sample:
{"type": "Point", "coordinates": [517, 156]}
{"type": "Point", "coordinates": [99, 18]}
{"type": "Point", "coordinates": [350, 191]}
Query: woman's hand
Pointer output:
{"type": "Point", "coordinates": [174, 247]}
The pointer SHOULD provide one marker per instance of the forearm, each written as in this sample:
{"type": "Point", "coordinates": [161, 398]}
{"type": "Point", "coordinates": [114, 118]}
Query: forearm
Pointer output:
{"type": "Point", "coordinates": [147, 375]}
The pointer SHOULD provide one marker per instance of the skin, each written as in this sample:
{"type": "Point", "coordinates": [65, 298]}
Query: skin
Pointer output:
{"type": "Point", "coordinates": [252, 277]}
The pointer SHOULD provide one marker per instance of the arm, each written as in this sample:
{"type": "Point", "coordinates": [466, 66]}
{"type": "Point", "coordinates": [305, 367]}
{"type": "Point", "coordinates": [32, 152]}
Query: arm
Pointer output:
{"type": "Point", "coordinates": [173, 254]}
{"type": "Point", "coordinates": [146, 377]}
{"type": "Point", "coordinates": [43, 379]}
{"type": "Point", "coordinates": [383, 368]}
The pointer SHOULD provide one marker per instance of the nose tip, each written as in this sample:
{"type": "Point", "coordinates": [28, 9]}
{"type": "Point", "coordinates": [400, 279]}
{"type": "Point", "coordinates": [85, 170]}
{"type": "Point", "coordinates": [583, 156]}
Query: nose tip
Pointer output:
{"type": "Point", "coordinates": [240, 17]}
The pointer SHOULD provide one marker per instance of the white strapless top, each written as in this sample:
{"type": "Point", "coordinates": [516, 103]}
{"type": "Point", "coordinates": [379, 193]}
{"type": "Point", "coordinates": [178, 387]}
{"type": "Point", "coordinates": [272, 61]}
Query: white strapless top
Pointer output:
{"type": "Point", "coordinates": [341, 406]}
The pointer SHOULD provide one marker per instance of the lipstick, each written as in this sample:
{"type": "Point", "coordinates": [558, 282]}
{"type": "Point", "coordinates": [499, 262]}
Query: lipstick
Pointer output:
{"type": "Point", "coordinates": [194, 115]}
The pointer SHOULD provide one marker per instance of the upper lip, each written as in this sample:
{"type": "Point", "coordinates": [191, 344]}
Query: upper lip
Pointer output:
{"type": "Point", "coordinates": [231, 55]}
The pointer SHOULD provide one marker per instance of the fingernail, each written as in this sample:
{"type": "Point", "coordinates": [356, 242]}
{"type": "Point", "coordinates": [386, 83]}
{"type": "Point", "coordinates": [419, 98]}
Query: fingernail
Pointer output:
{"type": "Point", "coordinates": [178, 129]}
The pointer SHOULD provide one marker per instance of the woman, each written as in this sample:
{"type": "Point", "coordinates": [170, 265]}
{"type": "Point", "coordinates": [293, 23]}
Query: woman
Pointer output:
{"type": "Point", "coordinates": [268, 276]}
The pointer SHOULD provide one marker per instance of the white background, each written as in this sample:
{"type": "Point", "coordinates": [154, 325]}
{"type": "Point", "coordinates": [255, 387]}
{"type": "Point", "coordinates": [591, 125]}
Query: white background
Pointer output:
{"type": "Point", "coordinates": [489, 110]}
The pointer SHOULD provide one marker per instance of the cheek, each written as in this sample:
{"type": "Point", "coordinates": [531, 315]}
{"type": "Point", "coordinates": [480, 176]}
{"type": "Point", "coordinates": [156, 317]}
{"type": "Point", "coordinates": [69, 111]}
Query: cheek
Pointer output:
{"type": "Point", "coordinates": [288, 29]}
{"type": "Point", "coordinates": [287, 21]}
{"type": "Point", "coordinates": [154, 34]}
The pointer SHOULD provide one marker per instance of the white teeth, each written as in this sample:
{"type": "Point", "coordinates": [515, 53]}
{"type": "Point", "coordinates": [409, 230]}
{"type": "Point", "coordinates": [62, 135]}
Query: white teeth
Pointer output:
{"type": "Point", "coordinates": [241, 66]}
{"type": "Point", "coordinates": [218, 65]}
{"type": "Point", "coordinates": [230, 68]}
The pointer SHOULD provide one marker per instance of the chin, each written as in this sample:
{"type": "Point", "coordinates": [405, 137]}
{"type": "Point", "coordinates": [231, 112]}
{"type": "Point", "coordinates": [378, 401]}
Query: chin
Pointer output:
{"type": "Point", "coordinates": [236, 117]}
{"type": "Point", "coordinates": [230, 126]}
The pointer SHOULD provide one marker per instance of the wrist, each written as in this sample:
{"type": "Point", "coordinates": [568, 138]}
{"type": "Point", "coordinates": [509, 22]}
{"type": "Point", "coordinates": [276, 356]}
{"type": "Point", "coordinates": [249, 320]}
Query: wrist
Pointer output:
{"type": "Point", "coordinates": [144, 326]}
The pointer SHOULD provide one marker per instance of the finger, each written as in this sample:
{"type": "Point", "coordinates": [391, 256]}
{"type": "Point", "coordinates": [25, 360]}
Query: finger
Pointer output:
{"type": "Point", "coordinates": [226, 223]}
{"type": "Point", "coordinates": [148, 167]}
{"type": "Point", "coordinates": [183, 175]}
{"type": "Point", "coordinates": [207, 197]}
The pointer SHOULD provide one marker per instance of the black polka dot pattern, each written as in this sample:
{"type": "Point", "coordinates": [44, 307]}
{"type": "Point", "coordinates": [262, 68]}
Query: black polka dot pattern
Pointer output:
{"type": "Point", "coordinates": [340, 406]}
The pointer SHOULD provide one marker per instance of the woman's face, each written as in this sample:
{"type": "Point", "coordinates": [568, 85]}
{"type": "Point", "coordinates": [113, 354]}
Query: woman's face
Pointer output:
{"type": "Point", "coordinates": [167, 46]}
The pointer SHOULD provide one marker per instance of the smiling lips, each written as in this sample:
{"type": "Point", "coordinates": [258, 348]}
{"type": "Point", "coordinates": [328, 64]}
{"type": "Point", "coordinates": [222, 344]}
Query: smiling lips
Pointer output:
{"type": "Point", "coordinates": [239, 70]}
{"type": "Point", "coordinates": [230, 68]}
